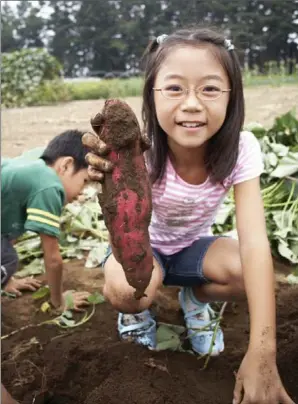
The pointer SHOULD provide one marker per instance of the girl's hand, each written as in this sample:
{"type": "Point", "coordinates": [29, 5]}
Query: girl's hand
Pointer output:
{"type": "Point", "coordinates": [97, 165]}
{"type": "Point", "coordinates": [258, 381]}
{"type": "Point", "coordinates": [16, 285]}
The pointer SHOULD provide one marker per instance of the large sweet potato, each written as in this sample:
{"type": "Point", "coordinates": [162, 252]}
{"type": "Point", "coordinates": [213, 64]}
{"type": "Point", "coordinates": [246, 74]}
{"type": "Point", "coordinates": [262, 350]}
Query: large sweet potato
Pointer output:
{"type": "Point", "coordinates": [126, 192]}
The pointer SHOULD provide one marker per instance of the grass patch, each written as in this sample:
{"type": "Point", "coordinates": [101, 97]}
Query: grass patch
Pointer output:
{"type": "Point", "coordinates": [250, 80]}
{"type": "Point", "coordinates": [93, 90]}
{"type": "Point", "coordinates": [122, 88]}
{"type": "Point", "coordinates": [53, 92]}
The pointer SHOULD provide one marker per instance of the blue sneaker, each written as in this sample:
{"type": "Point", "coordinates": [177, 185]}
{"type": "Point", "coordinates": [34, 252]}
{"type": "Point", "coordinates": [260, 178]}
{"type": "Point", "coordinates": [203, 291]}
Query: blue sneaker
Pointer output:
{"type": "Point", "coordinates": [139, 328]}
{"type": "Point", "coordinates": [197, 315]}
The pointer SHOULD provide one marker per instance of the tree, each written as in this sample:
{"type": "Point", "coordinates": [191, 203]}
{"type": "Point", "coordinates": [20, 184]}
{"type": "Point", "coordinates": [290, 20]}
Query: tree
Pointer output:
{"type": "Point", "coordinates": [9, 21]}
{"type": "Point", "coordinates": [30, 27]}
{"type": "Point", "coordinates": [111, 35]}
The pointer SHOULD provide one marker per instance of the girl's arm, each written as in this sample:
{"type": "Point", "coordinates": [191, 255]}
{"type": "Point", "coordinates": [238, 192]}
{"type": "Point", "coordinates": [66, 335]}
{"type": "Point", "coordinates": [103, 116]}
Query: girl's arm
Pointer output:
{"type": "Point", "coordinates": [257, 379]}
{"type": "Point", "coordinates": [257, 265]}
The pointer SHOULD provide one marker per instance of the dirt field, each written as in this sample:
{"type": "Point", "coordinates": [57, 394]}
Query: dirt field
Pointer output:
{"type": "Point", "coordinates": [89, 365]}
{"type": "Point", "coordinates": [26, 128]}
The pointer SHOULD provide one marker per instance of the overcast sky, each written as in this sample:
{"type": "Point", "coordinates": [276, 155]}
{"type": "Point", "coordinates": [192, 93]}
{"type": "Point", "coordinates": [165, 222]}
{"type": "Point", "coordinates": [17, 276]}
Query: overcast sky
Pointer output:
{"type": "Point", "coordinates": [13, 4]}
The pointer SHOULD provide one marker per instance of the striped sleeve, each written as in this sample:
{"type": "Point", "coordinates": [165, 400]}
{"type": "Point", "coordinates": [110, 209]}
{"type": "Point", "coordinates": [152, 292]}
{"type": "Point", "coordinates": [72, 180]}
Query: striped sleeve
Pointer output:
{"type": "Point", "coordinates": [44, 211]}
{"type": "Point", "coordinates": [250, 162]}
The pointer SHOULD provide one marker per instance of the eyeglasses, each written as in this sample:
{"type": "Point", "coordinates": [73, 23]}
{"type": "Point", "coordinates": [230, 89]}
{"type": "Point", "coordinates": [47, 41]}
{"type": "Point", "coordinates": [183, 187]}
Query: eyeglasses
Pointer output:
{"type": "Point", "coordinates": [177, 92]}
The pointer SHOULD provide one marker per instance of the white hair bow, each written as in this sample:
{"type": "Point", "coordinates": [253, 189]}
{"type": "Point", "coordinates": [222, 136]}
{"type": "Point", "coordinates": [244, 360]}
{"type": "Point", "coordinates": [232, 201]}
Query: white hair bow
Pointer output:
{"type": "Point", "coordinates": [228, 45]}
{"type": "Point", "coordinates": [161, 38]}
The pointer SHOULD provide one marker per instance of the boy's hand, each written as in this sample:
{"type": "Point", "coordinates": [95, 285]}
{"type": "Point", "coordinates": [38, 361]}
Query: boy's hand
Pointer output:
{"type": "Point", "coordinates": [77, 299]}
{"type": "Point", "coordinates": [16, 285]}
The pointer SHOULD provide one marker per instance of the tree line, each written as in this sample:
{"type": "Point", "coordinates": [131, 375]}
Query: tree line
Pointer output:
{"type": "Point", "coordinates": [95, 37]}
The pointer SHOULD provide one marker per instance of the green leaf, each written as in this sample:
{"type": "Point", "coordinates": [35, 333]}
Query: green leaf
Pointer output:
{"type": "Point", "coordinates": [225, 211]}
{"type": "Point", "coordinates": [69, 301]}
{"type": "Point", "coordinates": [292, 279]}
{"type": "Point", "coordinates": [288, 165]}
{"type": "Point", "coordinates": [41, 292]}
{"type": "Point", "coordinates": [96, 298]}
{"type": "Point", "coordinates": [35, 267]}
{"type": "Point", "coordinates": [65, 321]}
{"type": "Point", "coordinates": [68, 314]}
{"type": "Point", "coordinates": [96, 255]}
{"type": "Point", "coordinates": [286, 252]}
{"type": "Point", "coordinates": [279, 149]}
{"type": "Point", "coordinates": [45, 307]}
{"type": "Point", "coordinates": [168, 338]}
{"type": "Point", "coordinates": [8, 294]}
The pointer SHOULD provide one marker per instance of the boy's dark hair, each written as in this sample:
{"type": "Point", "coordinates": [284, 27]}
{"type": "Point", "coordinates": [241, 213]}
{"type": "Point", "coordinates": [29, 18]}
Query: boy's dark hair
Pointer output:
{"type": "Point", "coordinates": [222, 148]}
{"type": "Point", "coordinates": [67, 144]}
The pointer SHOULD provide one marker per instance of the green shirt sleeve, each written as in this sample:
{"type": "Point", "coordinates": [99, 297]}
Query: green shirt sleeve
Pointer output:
{"type": "Point", "coordinates": [44, 211]}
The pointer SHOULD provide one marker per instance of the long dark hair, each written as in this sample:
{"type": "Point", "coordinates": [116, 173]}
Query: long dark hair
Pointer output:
{"type": "Point", "coordinates": [222, 149]}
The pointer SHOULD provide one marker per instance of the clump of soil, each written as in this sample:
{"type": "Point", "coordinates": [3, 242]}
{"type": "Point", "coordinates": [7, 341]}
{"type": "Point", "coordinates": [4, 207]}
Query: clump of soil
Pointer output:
{"type": "Point", "coordinates": [89, 365]}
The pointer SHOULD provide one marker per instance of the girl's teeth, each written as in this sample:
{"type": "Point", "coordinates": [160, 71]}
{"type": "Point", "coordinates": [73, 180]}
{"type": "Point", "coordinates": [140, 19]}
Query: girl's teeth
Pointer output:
{"type": "Point", "coordinates": [191, 125]}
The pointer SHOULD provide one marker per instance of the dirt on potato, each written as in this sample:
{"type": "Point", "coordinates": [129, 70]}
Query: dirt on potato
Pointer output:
{"type": "Point", "coordinates": [125, 200]}
{"type": "Point", "coordinates": [90, 365]}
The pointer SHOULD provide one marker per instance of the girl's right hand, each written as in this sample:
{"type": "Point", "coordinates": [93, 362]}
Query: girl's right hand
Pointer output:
{"type": "Point", "coordinates": [97, 165]}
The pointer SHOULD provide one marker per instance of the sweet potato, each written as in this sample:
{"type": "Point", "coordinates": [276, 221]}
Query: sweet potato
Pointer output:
{"type": "Point", "coordinates": [125, 200]}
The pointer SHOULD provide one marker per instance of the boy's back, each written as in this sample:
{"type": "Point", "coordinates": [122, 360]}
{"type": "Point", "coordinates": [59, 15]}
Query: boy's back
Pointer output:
{"type": "Point", "coordinates": [35, 186]}
{"type": "Point", "coordinates": [32, 197]}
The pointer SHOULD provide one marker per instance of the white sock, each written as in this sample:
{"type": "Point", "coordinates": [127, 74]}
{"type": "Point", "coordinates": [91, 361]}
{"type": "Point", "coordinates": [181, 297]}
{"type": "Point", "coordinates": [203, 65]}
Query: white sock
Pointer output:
{"type": "Point", "coordinates": [129, 319]}
{"type": "Point", "coordinates": [192, 303]}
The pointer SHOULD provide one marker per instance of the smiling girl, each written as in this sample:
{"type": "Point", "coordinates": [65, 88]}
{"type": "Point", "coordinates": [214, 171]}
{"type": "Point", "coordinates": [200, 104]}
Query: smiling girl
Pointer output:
{"type": "Point", "coordinates": [193, 111]}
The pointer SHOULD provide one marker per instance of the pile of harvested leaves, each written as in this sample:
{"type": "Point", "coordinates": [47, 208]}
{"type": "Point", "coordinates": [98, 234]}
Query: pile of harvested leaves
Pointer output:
{"type": "Point", "coordinates": [279, 187]}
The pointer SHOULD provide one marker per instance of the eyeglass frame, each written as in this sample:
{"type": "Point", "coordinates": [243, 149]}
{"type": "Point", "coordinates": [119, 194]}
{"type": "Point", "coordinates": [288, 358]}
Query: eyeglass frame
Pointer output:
{"type": "Point", "coordinates": [187, 90]}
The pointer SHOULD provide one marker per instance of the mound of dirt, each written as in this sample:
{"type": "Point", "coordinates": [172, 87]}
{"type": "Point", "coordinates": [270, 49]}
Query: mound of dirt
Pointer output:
{"type": "Point", "coordinates": [89, 365]}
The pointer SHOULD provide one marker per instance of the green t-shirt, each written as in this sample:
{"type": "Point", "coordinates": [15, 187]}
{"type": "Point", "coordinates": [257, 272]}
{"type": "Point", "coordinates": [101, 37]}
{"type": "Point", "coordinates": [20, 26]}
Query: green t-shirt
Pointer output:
{"type": "Point", "coordinates": [32, 198]}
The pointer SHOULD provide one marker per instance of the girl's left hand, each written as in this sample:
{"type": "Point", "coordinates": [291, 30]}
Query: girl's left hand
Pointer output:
{"type": "Point", "coordinates": [258, 381]}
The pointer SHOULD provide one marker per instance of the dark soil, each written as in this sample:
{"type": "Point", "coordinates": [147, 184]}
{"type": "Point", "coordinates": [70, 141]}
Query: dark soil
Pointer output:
{"type": "Point", "coordinates": [89, 365]}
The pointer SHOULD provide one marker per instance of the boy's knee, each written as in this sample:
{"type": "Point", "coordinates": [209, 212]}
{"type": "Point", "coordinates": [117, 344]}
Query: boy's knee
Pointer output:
{"type": "Point", "coordinates": [124, 301]}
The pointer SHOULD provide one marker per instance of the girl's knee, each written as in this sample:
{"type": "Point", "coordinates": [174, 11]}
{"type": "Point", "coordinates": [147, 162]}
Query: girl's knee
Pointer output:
{"type": "Point", "coordinates": [235, 275]}
{"type": "Point", "coordinates": [121, 295]}
{"type": "Point", "coordinates": [124, 300]}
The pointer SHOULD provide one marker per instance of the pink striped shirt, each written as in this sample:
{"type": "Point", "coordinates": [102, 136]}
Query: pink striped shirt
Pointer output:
{"type": "Point", "coordinates": [183, 212]}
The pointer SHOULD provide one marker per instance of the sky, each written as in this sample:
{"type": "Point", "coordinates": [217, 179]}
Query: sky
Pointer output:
{"type": "Point", "coordinates": [14, 3]}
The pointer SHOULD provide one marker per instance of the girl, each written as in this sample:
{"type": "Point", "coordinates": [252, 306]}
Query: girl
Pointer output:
{"type": "Point", "coordinates": [193, 111]}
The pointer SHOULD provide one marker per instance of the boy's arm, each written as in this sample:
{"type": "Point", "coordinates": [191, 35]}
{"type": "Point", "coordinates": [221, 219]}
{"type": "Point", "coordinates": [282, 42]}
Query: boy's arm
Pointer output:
{"type": "Point", "coordinates": [54, 267]}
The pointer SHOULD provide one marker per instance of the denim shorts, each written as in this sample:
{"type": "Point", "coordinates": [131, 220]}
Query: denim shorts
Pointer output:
{"type": "Point", "coordinates": [9, 260]}
{"type": "Point", "coordinates": [184, 268]}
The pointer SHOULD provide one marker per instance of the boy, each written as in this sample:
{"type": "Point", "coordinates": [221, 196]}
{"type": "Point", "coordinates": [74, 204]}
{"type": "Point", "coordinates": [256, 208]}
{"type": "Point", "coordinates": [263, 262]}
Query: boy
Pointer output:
{"type": "Point", "coordinates": [32, 197]}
